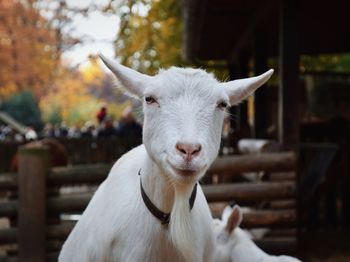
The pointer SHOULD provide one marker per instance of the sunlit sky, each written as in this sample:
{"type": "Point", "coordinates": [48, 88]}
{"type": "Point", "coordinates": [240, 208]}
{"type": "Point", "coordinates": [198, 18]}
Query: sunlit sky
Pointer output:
{"type": "Point", "coordinates": [100, 29]}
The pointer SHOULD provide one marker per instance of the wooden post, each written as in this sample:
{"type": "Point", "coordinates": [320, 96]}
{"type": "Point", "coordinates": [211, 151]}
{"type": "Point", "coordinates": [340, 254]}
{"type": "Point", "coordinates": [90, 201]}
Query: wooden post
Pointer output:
{"type": "Point", "coordinates": [260, 96]}
{"type": "Point", "coordinates": [235, 110]}
{"type": "Point", "coordinates": [288, 111]}
{"type": "Point", "coordinates": [240, 70]}
{"type": "Point", "coordinates": [243, 73]}
{"type": "Point", "coordinates": [32, 173]}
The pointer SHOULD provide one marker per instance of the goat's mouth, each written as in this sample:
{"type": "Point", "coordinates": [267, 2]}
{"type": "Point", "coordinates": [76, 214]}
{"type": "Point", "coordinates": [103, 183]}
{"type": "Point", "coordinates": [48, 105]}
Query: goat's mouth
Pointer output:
{"type": "Point", "coordinates": [184, 171]}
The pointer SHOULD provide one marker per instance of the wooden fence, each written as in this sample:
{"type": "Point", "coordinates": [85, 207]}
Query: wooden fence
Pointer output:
{"type": "Point", "coordinates": [80, 150]}
{"type": "Point", "coordinates": [7, 152]}
{"type": "Point", "coordinates": [32, 202]}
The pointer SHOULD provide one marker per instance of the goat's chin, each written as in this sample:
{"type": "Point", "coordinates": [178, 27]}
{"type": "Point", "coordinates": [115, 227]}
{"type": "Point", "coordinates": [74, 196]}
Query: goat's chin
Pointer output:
{"type": "Point", "coordinates": [181, 224]}
{"type": "Point", "coordinates": [183, 179]}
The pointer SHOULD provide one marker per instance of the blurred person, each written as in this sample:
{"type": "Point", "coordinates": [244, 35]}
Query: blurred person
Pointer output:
{"type": "Point", "coordinates": [108, 129]}
{"type": "Point", "coordinates": [128, 125]}
{"type": "Point", "coordinates": [18, 137]}
{"type": "Point", "coordinates": [74, 132]}
{"type": "Point", "coordinates": [30, 134]}
{"type": "Point", "coordinates": [9, 133]}
{"type": "Point", "coordinates": [63, 130]}
{"type": "Point", "coordinates": [101, 115]}
{"type": "Point", "coordinates": [49, 130]}
{"type": "Point", "coordinates": [2, 134]}
{"type": "Point", "coordinates": [56, 131]}
{"type": "Point", "coordinates": [88, 130]}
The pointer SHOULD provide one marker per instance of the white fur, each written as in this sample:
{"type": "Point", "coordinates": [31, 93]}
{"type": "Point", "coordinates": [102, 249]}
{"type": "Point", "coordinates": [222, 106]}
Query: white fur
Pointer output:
{"type": "Point", "coordinates": [116, 225]}
{"type": "Point", "coordinates": [234, 244]}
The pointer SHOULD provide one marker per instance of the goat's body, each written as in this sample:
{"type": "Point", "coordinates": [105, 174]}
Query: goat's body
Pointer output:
{"type": "Point", "coordinates": [183, 111]}
{"type": "Point", "coordinates": [234, 244]}
{"type": "Point", "coordinates": [240, 248]}
{"type": "Point", "coordinates": [117, 226]}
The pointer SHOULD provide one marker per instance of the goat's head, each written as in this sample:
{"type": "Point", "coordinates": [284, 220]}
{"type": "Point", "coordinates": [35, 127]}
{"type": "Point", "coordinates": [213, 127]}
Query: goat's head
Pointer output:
{"type": "Point", "coordinates": [183, 114]}
{"type": "Point", "coordinates": [228, 235]}
{"type": "Point", "coordinates": [235, 244]}
{"type": "Point", "coordinates": [225, 229]}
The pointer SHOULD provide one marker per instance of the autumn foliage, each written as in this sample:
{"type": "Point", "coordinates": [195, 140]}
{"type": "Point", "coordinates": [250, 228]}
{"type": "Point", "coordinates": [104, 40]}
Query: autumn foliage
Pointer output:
{"type": "Point", "coordinates": [77, 96]}
{"type": "Point", "coordinates": [27, 49]}
{"type": "Point", "coordinates": [150, 35]}
{"type": "Point", "coordinates": [31, 45]}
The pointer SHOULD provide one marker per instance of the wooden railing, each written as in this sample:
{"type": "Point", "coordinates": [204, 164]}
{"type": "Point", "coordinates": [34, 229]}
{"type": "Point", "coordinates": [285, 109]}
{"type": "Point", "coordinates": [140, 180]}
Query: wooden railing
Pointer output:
{"type": "Point", "coordinates": [37, 231]}
{"type": "Point", "coordinates": [80, 150]}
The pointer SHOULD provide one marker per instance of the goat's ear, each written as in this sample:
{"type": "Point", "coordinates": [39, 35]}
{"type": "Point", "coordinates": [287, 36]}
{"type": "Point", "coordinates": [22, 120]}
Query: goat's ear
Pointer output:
{"type": "Point", "coordinates": [226, 213]}
{"type": "Point", "coordinates": [133, 81]}
{"type": "Point", "coordinates": [234, 220]}
{"type": "Point", "coordinates": [240, 89]}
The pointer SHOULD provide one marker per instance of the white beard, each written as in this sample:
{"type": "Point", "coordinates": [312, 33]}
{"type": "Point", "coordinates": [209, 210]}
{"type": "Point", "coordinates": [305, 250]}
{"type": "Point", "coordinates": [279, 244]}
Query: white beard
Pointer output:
{"type": "Point", "coordinates": [181, 224]}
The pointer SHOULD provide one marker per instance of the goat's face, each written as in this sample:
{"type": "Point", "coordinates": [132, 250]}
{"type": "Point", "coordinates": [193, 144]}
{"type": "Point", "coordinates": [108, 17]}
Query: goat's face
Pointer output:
{"type": "Point", "coordinates": [183, 115]}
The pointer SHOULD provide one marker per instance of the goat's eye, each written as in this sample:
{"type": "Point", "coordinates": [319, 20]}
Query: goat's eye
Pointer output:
{"type": "Point", "coordinates": [150, 100]}
{"type": "Point", "coordinates": [222, 105]}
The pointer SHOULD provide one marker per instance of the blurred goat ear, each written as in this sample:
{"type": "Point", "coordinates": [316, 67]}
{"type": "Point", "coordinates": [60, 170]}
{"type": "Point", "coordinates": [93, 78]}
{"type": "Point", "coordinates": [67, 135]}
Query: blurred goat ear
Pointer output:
{"type": "Point", "coordinates": [226, 213]}
{"type": "Point", "coordinates": [133, 81]}
{"type": "Point", "coordinates": [238, 90]}
{"type": "Point", "coordinates": [234, 220]}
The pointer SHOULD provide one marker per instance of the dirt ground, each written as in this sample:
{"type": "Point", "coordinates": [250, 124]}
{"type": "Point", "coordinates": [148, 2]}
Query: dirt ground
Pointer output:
{"type": "Point", "coordinates": [325, 246]}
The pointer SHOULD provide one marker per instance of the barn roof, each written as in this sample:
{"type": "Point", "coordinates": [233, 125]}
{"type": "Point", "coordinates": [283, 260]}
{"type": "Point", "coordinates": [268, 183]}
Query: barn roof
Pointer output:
{"type": "Point", "coordinates": [218, 29]}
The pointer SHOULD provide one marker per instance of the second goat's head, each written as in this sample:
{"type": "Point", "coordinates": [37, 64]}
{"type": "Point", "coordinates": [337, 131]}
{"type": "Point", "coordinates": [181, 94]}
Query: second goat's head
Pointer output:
{"type": "Point", "coordinates": [184, 109]}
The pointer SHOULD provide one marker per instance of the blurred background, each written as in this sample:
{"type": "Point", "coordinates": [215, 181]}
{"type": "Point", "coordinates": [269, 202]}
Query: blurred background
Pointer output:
{"type": "Point", "coordinates": [54, 89]}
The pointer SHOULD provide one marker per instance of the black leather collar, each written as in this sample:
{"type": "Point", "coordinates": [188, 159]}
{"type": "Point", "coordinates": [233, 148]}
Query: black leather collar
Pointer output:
{"type": "Point", "coordinates": [163, 217]}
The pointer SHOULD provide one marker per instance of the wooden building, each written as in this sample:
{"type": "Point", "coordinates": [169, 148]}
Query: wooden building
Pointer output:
{"type": "Point", "coordinates": [237, 32]}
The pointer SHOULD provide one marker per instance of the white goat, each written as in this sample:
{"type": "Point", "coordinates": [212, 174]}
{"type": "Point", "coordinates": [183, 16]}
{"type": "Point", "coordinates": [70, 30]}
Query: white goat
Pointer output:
{"type": "Point", "coordinates": [183, 117]}
{"type": "Point", "coordinates": [234, 244]}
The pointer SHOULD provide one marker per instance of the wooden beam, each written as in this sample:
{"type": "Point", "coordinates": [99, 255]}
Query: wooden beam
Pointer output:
{"type": "Point", "coordinates": [269, 162]}
{"type": "Point", "coordinates": [282, 204]}
{"type": "Point", "coordinates": [260, 96]}
{"type": "Point", "coordinates": [217, 208]}
{"type": "Point", "coordinates": [235, 121]}
{"type": "Point", "coordinates": [8, 235]}
{"type": "Point", "coordinates": [261, 11]}
{"type": "Point", "coordinates": [243, 60]}
{"type": "Point", "coordinates": [58, 231]}
{"type": "Point", "coordinates": [8, 208]}
{"type": "Point", "coordinates": [194, 15]}
{"type": "Point", "coordinates": [240, 69]}
{"type": "Point", "coordinates": [269, 218]}
{"type": "Point", "coordinates": [288, 104]}
{"type": "Point", "coordinates": [68, 204]}
{"type": "Point", "coordinates": [249, 191]}
{"type": "Point", "coordinates": [90, 174]}
{"type": "Point", "coordinates": [278, 246]}
{"type": "Point", "coordinates": [283, 176]}
{"type": "Point", "coordinates": [8, 181]}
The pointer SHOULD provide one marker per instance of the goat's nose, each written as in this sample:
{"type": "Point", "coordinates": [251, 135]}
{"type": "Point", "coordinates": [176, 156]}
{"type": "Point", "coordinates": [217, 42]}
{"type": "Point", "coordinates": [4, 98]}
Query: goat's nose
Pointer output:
{"type": "Point", "coordinates": [187, 150]}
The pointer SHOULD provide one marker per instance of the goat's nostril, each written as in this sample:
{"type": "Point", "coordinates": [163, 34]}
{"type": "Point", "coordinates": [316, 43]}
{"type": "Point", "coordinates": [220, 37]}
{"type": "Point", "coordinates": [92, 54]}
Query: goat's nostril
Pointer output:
{"type": "Point", "coordinates": [188, 150]}
{"type": "Point", "coordinates": [197, 149]}
{"type": "Point", "coordinates": [180, 148]}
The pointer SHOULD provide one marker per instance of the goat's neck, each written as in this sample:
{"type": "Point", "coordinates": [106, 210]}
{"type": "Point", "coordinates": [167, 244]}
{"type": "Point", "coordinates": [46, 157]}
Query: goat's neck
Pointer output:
{"type": "Point", "coordinates": [157, 186]}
